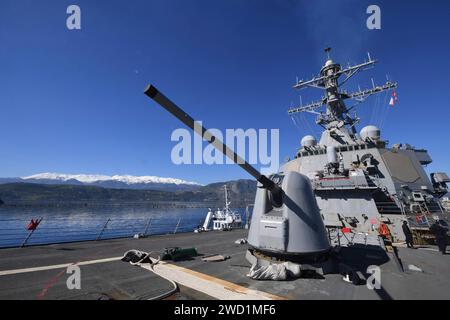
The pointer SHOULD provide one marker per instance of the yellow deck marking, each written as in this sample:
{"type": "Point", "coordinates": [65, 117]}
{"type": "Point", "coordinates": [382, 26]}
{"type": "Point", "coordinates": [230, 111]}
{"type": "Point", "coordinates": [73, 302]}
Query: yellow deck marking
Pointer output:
{"type": "Point", "coordinates": [212, 286]}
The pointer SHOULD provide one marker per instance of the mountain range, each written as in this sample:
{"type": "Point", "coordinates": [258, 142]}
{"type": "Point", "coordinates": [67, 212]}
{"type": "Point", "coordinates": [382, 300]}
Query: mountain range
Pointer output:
{"type": "Point", "coordinates": [112, 182]}
{"type": "Point", "coordinates": [59, 189]}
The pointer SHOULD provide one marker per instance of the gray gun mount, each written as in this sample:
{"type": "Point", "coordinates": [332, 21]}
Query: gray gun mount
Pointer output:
{"type": "Point", "coordinates": [286, 219]}
{"type": "Point", "coordinates": [295, 228]}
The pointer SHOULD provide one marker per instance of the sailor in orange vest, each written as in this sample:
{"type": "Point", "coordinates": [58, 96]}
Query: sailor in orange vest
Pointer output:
{"type": "Point", "coordinates": [383, 230]}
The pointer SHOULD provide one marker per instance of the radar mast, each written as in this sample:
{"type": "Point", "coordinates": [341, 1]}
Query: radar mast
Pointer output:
{"type": "Point", "coordinates": [336, 118]}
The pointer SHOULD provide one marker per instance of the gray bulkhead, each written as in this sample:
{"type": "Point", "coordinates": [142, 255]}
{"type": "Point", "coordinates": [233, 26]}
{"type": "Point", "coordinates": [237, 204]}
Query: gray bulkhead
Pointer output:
{"type": "Point", "coordinates": [395, 168]}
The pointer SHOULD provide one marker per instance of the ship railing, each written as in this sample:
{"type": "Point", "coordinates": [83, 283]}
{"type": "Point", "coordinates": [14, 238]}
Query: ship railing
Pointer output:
{"type": "Point", "coordinates": [14, 232]}
{"type": "Point", "coordinates": [428, 214]}
{"type": "Point", "coordinates": [393, 208]}
{"type": "Point", "coordinates": [419, 221]}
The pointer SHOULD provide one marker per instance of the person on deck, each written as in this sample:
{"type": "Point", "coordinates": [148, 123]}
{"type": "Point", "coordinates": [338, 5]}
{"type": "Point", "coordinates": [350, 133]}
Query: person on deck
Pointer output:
{"type": "Point", "coordinates": [408, 235]}
{"type": "Point", "coordinates": [440, 234]}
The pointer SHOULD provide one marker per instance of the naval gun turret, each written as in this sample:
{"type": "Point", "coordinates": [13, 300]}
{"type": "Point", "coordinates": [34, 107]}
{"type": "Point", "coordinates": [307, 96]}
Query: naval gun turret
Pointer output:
{"type": "Point", "coordinates": [286, 220]}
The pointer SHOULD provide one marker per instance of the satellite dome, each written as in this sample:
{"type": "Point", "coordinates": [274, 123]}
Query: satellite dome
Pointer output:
{"type": "Point", "coordinates": [328, 62]}
{"type": "Point", "coordinates": [370, 132]}
{"type": "Point", "coordinates": [308, 141]}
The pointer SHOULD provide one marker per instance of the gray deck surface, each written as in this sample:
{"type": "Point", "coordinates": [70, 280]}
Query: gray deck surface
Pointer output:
{"type": "Point", "coordinates": [119, 280]}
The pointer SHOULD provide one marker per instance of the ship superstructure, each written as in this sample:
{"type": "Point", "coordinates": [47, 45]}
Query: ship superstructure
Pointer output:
{"type": "Point", "coordinates": [358, 177]}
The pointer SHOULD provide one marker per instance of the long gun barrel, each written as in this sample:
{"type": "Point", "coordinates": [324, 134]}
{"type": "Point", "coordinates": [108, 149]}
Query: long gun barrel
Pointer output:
{"type": "Point", "coordinates": [171, 107]}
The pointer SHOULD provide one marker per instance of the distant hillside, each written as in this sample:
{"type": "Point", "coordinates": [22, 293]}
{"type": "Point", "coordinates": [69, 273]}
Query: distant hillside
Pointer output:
{"type": "Point", "coordinates": [241, 193]}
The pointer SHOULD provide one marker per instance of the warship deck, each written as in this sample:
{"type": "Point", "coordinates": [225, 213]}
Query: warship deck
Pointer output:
{"type": "Point", "coordinates": [39, 272]}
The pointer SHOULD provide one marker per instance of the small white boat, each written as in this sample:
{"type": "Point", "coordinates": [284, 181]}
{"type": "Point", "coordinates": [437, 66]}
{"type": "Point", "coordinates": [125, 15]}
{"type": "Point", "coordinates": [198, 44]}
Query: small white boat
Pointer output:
{"type": "Point", "coordinates": [225, 219]}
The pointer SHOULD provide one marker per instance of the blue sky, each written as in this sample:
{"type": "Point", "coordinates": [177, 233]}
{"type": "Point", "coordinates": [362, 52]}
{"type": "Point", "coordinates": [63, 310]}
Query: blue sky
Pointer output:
{"type": "Point", "coordinates": [72, 101]}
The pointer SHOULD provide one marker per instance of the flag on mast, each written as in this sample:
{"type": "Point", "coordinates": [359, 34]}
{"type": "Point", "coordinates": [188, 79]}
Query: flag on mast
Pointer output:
{"type": "Point", "coordinates": [394, 99]}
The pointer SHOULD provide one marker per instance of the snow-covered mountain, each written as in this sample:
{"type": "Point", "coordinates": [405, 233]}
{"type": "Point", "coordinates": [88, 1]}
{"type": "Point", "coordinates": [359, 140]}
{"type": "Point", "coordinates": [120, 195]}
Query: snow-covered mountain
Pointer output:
{"type": "Point", "coordinates": [116, 181]}
{"type": "Point", "coordinates": [91, 178]}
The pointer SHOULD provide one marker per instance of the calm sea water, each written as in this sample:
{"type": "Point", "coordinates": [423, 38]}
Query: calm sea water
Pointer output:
{"type": "Point", "coordinates": [67, 224]}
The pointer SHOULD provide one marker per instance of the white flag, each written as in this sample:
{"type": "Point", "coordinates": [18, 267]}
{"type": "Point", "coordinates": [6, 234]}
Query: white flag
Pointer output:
{"type": "Point", "coordinates": [392, 101]}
